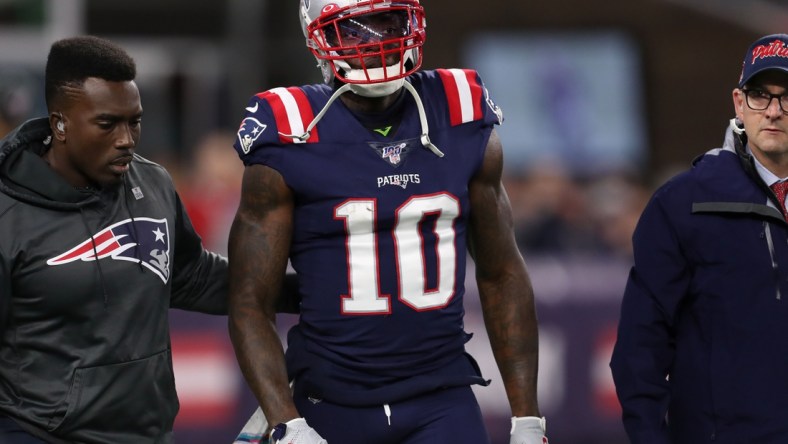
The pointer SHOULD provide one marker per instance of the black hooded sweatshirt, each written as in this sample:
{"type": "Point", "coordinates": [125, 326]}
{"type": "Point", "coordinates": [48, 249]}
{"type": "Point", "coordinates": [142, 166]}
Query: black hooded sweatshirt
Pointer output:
{"type": "Point", "coordinates": [84, 343]}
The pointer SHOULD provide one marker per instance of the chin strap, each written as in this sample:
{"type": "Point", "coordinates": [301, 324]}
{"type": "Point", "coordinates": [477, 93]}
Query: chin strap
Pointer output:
{"type": "Point", "coordinates": [425, 138]}
{"type": "Point", "coordinates": [308, 132]}
{"type": "Point", "coordinates": [425, 129]}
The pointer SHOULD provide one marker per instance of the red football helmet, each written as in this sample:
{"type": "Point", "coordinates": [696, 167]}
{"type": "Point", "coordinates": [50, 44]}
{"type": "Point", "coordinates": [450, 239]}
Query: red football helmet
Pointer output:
{"type": "Point", "coordinates": [371, 44]}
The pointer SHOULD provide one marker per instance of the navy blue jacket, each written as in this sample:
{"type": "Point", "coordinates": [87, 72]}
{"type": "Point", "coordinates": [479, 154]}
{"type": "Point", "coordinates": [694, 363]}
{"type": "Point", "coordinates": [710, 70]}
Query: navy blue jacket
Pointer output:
{"type": "Point", "coordinates": [702, 349]}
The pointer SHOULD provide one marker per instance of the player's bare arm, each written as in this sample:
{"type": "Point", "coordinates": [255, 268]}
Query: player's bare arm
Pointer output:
{"type": "Point", "coordinates": [258, 249]}
{"type": "Point", "coordinates": [504, 285]}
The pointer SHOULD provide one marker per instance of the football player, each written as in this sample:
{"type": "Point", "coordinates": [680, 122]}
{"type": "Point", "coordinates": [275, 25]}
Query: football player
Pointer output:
{"type": "Point", "coordinates": [374, 185]}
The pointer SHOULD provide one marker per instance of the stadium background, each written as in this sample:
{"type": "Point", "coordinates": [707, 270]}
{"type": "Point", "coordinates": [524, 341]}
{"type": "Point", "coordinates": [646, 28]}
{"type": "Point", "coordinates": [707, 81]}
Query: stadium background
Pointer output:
{"type": "Point", "coordinates": [603, 100]}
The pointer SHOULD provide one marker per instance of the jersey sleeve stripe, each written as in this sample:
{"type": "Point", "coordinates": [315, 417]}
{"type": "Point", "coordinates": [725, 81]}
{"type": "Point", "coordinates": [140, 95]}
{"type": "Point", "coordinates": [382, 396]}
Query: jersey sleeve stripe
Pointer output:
{"type": "Point", "coordinates": [291, 110]}
{"type": "Point", "coordinates": [307, 115]}
{"type": "Point", "coordinates": [464, 94]}
{"type": "Point", "coordinates": [477, 93]}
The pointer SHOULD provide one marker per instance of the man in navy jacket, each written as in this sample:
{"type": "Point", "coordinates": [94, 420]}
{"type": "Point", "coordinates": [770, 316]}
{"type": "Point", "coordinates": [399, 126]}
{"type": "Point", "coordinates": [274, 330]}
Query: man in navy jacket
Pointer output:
{"type": "Point", "coordinates": [702, 349]}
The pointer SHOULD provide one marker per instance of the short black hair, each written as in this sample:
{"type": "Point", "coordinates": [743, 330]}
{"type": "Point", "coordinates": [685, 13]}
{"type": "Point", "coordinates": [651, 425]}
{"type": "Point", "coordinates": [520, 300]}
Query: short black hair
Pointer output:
{"type": "Point", "coordinates": [72, 60]}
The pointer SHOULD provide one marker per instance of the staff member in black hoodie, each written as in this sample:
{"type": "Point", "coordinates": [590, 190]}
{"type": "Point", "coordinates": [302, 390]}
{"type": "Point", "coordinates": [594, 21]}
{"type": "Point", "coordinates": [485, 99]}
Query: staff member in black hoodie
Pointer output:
{"type": "Point", "coordinates": [95, 247]}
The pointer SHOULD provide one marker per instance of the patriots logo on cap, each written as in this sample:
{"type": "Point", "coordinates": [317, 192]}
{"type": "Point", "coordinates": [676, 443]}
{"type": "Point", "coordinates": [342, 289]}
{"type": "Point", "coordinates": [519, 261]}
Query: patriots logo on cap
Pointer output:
{"type": "Point", "coordinates": [767, 53]}
{"type": "Point", "coordinates": [119, 242]}
{"type": "Point", "coordinates": [249, 131]}
{"type": "Point", "coordinates": [776, 48]}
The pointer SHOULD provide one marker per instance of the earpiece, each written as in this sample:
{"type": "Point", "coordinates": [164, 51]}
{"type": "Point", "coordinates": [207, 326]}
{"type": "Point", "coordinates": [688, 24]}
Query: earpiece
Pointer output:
{"type": "Point", "coordinates": [60, 126]}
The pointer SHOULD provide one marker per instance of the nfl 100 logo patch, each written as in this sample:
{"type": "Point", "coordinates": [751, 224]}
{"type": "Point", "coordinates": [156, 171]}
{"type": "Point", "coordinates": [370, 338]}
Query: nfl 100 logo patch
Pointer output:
{"type": "Point", "coordinates": [393, 152]}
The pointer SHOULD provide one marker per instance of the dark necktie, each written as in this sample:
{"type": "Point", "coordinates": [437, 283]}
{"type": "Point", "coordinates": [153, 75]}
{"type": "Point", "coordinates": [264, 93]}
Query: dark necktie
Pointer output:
{"type": "Point", "coordinates": [780, 189]}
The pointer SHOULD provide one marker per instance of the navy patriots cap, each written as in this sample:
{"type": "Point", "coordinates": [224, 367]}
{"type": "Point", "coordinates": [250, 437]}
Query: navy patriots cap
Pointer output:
{"type": "Point", "coordinates": [768, 52]}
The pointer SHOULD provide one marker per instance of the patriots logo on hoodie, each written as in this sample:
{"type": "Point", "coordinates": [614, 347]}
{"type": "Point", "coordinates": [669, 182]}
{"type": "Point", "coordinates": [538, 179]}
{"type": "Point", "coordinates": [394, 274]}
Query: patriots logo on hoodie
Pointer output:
{"type": "Point", "coordinates": [143, 240]}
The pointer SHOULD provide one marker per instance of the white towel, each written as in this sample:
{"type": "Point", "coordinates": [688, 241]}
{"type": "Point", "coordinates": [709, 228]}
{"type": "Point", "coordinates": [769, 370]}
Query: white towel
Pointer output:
{"type": "Point", "coordinates": [254, 429]}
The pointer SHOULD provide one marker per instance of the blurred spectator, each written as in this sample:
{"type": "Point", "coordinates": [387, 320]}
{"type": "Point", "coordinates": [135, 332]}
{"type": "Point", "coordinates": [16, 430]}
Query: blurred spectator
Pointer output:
{"type": "Point", "coordinates": [211, 189]}
{"type": "Point", "coordinates": [17, 99]}
{"type": "Point", "coordinates": [558, 214]}
{"type": "Point", "coordinates": [615, 203]}
{"type": "Point", "coordinates": [551, 212]}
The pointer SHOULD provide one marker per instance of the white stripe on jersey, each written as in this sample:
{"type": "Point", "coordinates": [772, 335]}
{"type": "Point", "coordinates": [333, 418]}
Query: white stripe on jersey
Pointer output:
{"type": "Point", "coordinates": [464, 91]}
{"type": "Point", "coordinates": [293, 113]}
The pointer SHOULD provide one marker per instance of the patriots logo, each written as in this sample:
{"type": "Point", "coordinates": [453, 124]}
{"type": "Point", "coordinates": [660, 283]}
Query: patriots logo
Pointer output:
{"type": "Point", "coordinates": [495, 108]}
{"type": "Point", "coordinates": [118, 242]}
{"type": "Point", "coordinates": [393, 153]}
{"type": "Point", "coordinates": [249, 131]}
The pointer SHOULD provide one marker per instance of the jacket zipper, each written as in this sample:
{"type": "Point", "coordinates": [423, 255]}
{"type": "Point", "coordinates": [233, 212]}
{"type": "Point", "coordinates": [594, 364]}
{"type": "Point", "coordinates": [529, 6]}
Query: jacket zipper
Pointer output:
{"type": "Point", "coordinates": [770, 243]}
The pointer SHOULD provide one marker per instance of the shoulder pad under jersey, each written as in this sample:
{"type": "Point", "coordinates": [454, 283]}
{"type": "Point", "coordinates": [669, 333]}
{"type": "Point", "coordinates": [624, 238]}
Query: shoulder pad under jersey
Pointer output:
{"type": "Point", "coordinates": [276, 116]}
{"type": "Point", "coordinates": [467, 99]}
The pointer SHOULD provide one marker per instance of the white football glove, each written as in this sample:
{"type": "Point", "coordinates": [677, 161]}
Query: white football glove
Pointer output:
{"type": "Point", "coordinates": [528, 430]}
{"type": "Point", "coordinates": [295, 431]}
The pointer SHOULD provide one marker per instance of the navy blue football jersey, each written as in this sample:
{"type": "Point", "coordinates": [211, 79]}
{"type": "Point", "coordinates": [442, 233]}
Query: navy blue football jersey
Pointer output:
{"type": "Point", "coordinates": [379, 238]}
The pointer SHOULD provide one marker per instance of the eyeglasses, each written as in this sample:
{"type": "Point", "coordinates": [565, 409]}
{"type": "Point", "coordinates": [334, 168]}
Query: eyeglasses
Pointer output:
{"type": "Point", "coordinates": [759, 100]}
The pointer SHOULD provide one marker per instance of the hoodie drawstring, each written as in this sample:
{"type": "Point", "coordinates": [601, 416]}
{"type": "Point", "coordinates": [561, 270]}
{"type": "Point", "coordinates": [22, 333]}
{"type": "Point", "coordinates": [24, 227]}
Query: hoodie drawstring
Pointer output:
{"type": "Point", "coordinates": [425, 138]}
{"type": "Point", "coordinates": [95, 255]}
{"type": "Point", "coordinates": [95, 247]}
{"type": "Point", "coordinates": [133, 223]}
